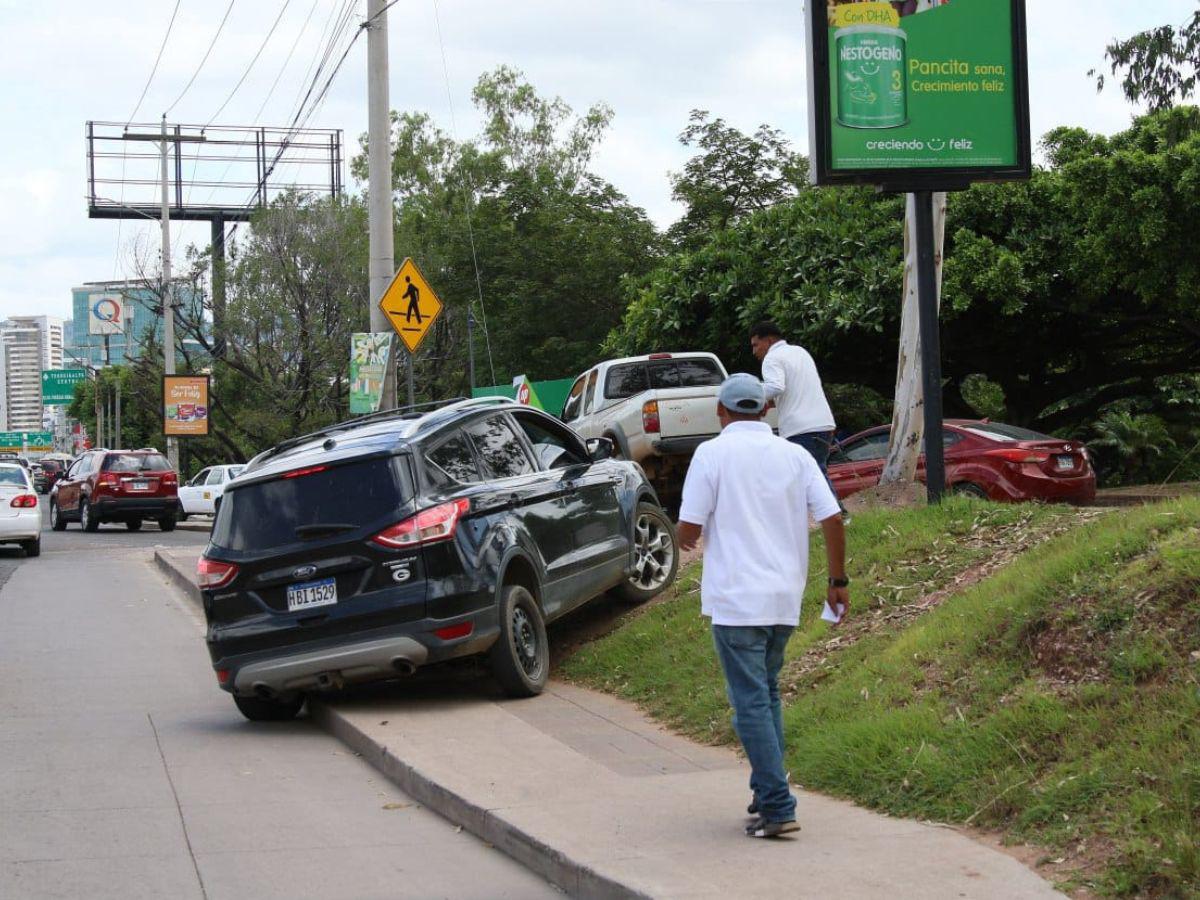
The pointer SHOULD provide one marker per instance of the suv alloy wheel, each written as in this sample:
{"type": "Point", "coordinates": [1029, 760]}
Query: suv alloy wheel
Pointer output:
{"type": "Point", "coordinates": [656, 555]}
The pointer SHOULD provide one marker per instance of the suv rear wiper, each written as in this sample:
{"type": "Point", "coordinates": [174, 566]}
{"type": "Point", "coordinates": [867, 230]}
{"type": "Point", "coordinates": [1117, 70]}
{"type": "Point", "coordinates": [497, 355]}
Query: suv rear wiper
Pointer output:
{"type": "Point", "coordinates": [304, 531]}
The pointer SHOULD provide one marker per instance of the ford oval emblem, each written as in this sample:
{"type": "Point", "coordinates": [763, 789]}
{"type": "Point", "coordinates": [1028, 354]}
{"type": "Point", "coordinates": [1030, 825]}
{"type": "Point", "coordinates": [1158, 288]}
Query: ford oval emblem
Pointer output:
{"type": "Point", "coordinates": [304, 572]}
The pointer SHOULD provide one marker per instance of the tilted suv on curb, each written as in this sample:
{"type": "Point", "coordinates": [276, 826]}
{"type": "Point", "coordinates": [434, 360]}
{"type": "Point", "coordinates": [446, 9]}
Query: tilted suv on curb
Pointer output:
{"type": "Point", "coordinates": [369, 549]}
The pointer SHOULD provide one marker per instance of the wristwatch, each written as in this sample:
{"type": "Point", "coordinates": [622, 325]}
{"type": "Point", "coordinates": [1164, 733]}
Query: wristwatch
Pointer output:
{"type": "Point", "coordinates": [839, 582]}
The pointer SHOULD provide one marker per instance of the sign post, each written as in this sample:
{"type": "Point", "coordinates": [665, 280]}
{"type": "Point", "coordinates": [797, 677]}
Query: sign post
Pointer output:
{"type": "Point", "coordinates": [919, 100]}
{"type": "Point", "coordinates": [411, 307]}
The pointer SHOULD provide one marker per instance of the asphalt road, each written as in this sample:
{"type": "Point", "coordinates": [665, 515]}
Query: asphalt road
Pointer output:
{"type": "Point", "coordinates": [125, 772]}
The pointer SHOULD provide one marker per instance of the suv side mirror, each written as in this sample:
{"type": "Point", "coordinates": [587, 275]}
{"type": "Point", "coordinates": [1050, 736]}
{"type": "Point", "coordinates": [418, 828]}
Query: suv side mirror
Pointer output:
{"type": "Point", "coordinates": [600, 448]}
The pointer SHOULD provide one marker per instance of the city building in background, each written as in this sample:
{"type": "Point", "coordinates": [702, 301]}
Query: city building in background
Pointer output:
{"type": "Point", "coordinates": [28, 344]}
{"type": "Point", "coordinates": [115, 322]}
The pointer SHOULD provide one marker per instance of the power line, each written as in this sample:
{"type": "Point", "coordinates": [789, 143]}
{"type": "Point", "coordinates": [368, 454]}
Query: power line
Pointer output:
{"type": "Point", "coordinates": [207, 52]}
{"type": "Point", "coordinates": [157, 60]}
{"type": "Point", "coordinates": [250, 66]}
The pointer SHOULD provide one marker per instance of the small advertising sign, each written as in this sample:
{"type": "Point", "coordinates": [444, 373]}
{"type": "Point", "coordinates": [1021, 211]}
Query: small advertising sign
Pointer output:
{"type": "Point", "coordinates": [106, 314]}
{"type": "Point", "coordinates": [185, 405]}
{"type": "Point", "coordinates": [931, 94]}
{"type": "Point", "coordinates": [369, 354]}
{"type": "Point", "coordinates": [58, 385]}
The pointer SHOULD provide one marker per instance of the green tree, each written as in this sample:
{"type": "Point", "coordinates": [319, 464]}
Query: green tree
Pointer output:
{"type": "Point", "coordinates": [1158, 65]}
{"type": "Point", "coordinates": [514, 218]}
{"type": "Point", "coordinates": [1130, 446]}
{"type": "Point", "coordinates": [732, 175]}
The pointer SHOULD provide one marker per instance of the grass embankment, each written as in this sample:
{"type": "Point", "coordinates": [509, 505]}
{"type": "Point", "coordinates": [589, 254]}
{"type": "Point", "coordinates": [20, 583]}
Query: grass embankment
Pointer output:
{"type": "Point", "coordinates": [1055, 699]}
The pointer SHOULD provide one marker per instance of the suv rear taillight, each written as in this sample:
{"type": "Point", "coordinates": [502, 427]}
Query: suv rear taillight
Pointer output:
{"type": "Point", "coordinates": [427, 527]}
{"type": "Point", "coordinates": [24, 501]}
{"type": "Point", "coordinates": [650, 423]}
{"type": "Point", "coordinates": [212, 573]}
{"type": "Point", "coordinates": [108, 479]}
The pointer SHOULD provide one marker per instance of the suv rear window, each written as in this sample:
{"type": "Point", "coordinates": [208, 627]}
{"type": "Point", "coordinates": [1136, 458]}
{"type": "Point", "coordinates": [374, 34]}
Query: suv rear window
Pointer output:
{"type": "Point", "coordinates": [266, 515]}
{"type": "Point", "coordinates": [135, 462]}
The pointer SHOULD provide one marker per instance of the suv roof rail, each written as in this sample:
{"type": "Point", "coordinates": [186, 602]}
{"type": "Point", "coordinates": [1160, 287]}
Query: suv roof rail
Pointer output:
{"type": "Point", "coordinates": [400, 412]}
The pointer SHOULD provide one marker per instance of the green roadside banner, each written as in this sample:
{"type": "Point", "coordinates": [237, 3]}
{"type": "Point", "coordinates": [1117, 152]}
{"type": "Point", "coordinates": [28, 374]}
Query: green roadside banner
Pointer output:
{"type": "Point", "coordinates": [58, 385]}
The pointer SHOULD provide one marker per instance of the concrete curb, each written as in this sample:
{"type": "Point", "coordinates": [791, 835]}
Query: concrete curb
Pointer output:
{"type": "Point", "coordinates": [182, 578]}
{"type": "Point", "coordinates": [574, 877]}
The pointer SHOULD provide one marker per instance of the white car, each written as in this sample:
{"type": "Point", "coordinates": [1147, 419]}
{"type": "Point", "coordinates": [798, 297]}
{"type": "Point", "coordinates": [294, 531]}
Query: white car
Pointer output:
{"type": "Point", "coordinates": [200, 495]}
{"type": "Point", "coordinates": [20, 512]}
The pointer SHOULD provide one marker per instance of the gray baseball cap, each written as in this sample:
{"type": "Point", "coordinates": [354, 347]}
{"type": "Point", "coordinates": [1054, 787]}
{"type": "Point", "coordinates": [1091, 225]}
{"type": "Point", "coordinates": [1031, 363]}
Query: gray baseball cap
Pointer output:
{"type": "Point", "coordinates": [742, 393]}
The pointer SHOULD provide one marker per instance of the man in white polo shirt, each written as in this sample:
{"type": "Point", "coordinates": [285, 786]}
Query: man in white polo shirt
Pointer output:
{"type": "Point", "coordinates": [750, 494]}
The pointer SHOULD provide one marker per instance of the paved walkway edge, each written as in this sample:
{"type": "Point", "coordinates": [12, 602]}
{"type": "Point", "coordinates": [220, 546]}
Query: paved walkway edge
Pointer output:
{"type": "Point", "coordinates": [577, 879]}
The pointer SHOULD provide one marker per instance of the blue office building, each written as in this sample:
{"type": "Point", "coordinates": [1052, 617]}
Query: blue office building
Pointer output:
{"type": "Point", "coordinates": [127, 311]}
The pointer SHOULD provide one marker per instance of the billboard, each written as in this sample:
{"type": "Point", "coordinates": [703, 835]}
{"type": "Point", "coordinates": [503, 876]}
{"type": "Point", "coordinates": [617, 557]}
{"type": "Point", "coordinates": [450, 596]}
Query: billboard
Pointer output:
{"type": "Point", "coordinates": [369, 353]}
{"type": "Point", "coordinates": [185, 405]}
{"type": "Point", "coordinates": [922, 94]}
{"type": "Point", "coordinates": [58, 385]}
{"type": "Point", "coordinates": [106, 314]}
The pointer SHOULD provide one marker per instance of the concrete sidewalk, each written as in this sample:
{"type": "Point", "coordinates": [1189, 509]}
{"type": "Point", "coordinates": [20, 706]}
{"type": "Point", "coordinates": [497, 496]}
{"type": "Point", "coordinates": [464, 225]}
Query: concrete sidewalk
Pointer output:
{"type": "Point", "coordinates": [586, 791]}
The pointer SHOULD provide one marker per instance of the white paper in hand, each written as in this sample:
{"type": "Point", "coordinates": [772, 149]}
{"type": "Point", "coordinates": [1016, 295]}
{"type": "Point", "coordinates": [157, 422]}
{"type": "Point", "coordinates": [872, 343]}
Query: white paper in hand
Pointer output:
{"type": "Point", "coordinates": [830, 616]}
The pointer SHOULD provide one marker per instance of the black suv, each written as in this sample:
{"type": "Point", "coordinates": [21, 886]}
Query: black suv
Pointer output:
{"type": "Point", "coordinates": [368, 549]}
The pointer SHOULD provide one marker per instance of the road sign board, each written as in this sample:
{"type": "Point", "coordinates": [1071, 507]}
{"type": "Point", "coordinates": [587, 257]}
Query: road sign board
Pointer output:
{"type": "Point", "coordinates": [22, 441]}
{"type": "Point", "coordinates": [58, 385]}
{"type": "Point", "coordinates": [410, 305]}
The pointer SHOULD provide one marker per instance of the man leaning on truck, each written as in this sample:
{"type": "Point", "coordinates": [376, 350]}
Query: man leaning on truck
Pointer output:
{"type": "Point", "coordinates": [790, 379]}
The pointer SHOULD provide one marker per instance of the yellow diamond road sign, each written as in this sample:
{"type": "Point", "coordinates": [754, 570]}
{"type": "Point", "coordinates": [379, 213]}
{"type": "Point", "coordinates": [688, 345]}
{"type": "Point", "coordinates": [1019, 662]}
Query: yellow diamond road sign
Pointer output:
{"type": "Point", "coordinates": [410, 305]}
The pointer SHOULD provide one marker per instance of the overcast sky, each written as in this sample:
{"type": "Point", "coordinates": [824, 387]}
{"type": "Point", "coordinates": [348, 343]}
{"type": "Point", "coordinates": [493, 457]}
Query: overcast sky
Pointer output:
{"type": "Point", "coordinates": [651, 60]}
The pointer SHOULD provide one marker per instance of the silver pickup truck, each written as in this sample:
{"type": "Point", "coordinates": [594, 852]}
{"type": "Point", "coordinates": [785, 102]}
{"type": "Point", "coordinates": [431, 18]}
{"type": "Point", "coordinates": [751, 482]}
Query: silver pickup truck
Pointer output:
{"type": "Point", "coordinates": [656, 409]}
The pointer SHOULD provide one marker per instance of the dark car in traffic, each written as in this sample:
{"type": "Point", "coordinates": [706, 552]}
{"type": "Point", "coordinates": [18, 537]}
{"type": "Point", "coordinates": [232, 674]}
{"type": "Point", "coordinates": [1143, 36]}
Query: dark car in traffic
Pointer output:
{"type": "Point", "coordinates": [47, 473]}
{"type": "Point", "coordinates": [372, 548]}
{"type": "Point", "coordinates": [127, 486]}
{"type": "Point", "coordinates": [984, 459]}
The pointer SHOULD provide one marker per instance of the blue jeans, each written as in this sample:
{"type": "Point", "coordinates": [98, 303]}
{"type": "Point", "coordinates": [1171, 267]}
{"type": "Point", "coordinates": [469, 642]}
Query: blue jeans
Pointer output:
{"type": "Point", "coordinates": [817, 443]}
{"type": "Point", "coordinates": [751, 657]}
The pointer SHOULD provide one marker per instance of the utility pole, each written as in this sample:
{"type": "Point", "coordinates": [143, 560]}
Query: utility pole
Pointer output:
{"type": "Point", "coordinates": [117, 417]}
{"type": "Point", "coordinates": [168, 295]}
{"type": "Point", "coordinates": [379, 189]}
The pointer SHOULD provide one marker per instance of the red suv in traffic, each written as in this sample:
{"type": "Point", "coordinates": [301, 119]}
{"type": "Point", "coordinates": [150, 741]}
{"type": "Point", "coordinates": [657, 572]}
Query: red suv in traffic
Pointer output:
{"type": "Point", "coordinates": [984, 459]}
{"type": "Point", "coordinates": [116, 486]}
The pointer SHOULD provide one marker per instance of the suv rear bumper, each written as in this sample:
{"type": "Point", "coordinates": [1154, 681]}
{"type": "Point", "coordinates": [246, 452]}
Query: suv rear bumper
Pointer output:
{"type": "Point", "coordinates": [334, 662]}
{"type": "Point", "coordinates": [128, 507]}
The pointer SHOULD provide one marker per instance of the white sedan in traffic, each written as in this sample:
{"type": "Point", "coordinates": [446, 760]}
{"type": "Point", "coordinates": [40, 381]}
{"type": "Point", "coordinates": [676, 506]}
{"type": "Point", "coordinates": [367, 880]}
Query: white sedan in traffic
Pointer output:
{"type": "Point", "coordinates": [20, 513]}
{"type": "Point", "coordinates": [200, 495]}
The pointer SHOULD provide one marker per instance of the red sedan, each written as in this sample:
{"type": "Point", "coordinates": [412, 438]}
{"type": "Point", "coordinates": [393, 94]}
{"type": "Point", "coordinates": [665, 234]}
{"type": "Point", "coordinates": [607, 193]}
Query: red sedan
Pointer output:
{"type": "Point", "coordinates": [985, 459]}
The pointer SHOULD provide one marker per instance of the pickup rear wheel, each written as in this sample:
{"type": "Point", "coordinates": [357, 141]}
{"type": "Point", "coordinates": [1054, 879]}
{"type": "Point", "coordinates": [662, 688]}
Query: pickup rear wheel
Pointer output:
{"type": "Point", "coordinates": [520, 659]}
{"type": "Point", "coordinates": [656, 555]}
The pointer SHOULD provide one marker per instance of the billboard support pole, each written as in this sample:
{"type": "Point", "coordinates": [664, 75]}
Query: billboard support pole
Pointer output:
{"type": "Point", "coordinates": [167, 298]}
{"type": "Point", "coordinates": [931, 356]}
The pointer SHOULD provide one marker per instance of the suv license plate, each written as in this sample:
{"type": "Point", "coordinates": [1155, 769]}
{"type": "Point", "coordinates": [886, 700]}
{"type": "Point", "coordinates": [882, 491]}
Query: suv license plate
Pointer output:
{"type": "Point", "coordinates": [139, 485]}
{"type": "Point", "coordinates": [1064, 462]}
{"type": "Point", "coordinates": [312, 593]}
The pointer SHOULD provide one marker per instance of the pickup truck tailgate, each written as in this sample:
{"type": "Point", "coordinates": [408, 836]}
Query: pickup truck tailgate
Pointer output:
{"type": "Point", "coordinates": [688, 413]}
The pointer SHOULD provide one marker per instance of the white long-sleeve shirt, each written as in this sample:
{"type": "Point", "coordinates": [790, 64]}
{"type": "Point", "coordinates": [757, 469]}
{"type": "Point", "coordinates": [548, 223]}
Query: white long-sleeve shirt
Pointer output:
{"type": "Point", "coordinates": [791, 380]}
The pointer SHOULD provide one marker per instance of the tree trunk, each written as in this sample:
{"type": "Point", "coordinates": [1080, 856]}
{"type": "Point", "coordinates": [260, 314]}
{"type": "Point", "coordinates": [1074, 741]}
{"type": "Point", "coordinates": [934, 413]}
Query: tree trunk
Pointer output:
{"type": "Point", "coordinates": [907, 409]}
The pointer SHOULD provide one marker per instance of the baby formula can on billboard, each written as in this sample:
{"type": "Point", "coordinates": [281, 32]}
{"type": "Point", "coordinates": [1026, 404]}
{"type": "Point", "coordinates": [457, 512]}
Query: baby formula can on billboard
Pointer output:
{"type": "Point", "coordinates": [871, 87]}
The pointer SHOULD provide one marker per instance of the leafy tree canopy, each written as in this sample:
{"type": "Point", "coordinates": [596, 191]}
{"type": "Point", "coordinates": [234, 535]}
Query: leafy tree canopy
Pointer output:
{"type": "Point", "coordinates": [1157, 66]}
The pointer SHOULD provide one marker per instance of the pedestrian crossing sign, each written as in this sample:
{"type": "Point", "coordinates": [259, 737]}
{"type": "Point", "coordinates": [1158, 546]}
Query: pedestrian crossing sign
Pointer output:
{"type": "Point", "coordinates": [410, 305]}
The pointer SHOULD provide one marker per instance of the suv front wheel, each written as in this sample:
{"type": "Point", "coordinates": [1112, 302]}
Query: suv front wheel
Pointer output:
{"type": "Point", "coordinates": [520, 659]}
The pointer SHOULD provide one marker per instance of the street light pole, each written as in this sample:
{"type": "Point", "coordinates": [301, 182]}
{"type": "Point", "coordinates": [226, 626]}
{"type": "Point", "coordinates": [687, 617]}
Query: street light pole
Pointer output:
{"type": "Point", "coordinates": [167, 292]}
{"type": "Point", "coordinates": [379, 189]}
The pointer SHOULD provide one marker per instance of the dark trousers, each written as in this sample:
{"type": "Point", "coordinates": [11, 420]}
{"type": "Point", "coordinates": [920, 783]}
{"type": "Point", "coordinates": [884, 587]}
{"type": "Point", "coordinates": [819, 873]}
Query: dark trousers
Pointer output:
{"type": "Point", "coordinates": [817, 443]}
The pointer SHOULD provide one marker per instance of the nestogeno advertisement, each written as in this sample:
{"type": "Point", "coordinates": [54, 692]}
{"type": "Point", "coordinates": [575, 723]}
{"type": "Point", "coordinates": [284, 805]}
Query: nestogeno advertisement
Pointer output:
{"type": "Point", "coordinates": [918, 85]}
